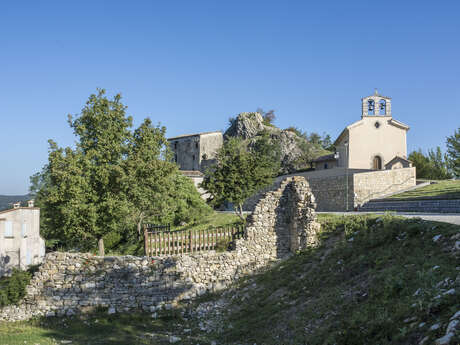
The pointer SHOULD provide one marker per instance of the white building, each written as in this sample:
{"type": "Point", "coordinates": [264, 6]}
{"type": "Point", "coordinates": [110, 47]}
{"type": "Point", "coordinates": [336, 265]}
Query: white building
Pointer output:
{"type": "Point", "coordinates": [20, 241]}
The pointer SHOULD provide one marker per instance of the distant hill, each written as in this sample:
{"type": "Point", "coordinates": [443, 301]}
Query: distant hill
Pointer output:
{"type": "Point", "coordinates": [7, 201]}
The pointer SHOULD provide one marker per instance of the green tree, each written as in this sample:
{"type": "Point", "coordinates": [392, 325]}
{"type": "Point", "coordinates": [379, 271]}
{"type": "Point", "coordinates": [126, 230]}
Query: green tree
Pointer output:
{"type": "Point", "coordinates": [268, 116]}
{"type": "Point", "coordinates": [453, 152]}
{"type": "Point", "coordinates": [241, 171]}
{"type": "Point", "coordinates": [112, 180]}
{"type": "Point", "coordinates": [434, 166]}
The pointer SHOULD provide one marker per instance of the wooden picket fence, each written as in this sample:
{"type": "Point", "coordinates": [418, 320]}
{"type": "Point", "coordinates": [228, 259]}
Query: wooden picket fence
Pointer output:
{"type": "Point", "coordinates": [187, 241]}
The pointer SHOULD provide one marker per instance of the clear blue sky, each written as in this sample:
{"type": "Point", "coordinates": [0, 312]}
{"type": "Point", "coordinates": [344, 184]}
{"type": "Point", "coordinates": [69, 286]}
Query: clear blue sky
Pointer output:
{"type": "Point", "coordinates": [192, 64]}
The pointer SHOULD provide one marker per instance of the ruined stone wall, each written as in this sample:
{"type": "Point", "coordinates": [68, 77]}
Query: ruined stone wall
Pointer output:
{"type": "Point", "coordinates": [67, 283]}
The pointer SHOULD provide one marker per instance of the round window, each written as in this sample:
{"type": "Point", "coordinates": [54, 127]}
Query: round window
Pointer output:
{"type": "Point", "coordinates": [377, 124]}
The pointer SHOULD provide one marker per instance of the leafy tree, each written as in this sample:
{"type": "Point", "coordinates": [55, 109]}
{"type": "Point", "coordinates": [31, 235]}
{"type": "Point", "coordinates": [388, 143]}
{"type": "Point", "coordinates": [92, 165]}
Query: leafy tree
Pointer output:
{"type": "Point", "coordinates": [111, 180]}
{"type": "Point", "coordinates": [453, 152]}
{"type": "Point", "coordinates": [434, 166]}
{"type": "Point", "coordinates": [268, 116]}
{"type": "Point", "coordinates": [241, 171]}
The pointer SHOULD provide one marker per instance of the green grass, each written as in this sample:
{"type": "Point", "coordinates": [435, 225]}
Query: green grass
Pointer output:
{"type": "Point", "coordinates": [358, 287]}
{"type": "Point", "coordinates": [213, 220]}
{"type": "Point", "coordinates": [441, 190]}
{"type": "Point", "coordinates": [372, 280]}
{"type": "Point", "coordinates": [100, 329]}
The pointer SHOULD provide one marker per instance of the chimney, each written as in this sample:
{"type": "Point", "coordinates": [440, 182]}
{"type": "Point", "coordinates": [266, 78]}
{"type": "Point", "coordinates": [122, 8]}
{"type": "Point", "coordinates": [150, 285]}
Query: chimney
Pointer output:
{"type": "Point", "coordinates": [16, 205]}
{"type": "Point", "coordinates": [30, 203]}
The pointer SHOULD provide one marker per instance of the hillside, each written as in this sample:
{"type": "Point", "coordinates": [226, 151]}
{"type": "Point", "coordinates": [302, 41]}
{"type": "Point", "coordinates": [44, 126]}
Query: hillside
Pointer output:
{"type": "Point", "coordinates": [372, 280]}
{"type": "Point", "coordinates": [296, 151]}
{"type": "Point", "coordinates": [7, 201]}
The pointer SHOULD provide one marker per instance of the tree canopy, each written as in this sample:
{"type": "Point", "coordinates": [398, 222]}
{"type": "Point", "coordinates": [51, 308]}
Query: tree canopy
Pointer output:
{"type": "Point", "coordinates": [434, 166]}
{"type": "Point", "coordinates": [453, 152]}
{"type": "Point", "coordinates": [241, 171]}
{"type": "Point", "coordinates": [112, 181]}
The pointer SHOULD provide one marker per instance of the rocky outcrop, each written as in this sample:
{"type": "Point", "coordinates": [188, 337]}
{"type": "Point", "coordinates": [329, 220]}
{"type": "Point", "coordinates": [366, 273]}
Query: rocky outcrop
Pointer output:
{"type": "Point", "coordinates": [249, 126]}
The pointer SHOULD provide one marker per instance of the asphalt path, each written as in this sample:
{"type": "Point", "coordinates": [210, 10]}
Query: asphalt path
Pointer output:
{"type": "Point", "coordinates": [453, 218]}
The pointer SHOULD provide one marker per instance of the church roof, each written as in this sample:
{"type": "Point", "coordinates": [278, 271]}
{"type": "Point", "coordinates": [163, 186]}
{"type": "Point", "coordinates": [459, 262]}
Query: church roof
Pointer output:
{"type": "Point", "coordinates": [376, 94]}
{"type": "Point", "coordinates": [392, 122]}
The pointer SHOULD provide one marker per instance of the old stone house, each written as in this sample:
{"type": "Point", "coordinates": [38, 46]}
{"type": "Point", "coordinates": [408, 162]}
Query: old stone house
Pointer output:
{"type": "Point", "coordinates": [20, 241]}
{"type": "Point", "coordinates": [375, 142]}
{"type": "Point", "coordinates": [196, 152]}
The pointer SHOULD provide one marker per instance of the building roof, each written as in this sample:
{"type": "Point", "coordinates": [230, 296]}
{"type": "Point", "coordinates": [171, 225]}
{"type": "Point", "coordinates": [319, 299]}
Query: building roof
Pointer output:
{"type": "Point", "coordinates": [330, 157]}
{"type": "Point", "coordinates": [376, 93]}
{"type": "Point", "coordinates": [392, 122]}
{"type": "Point", "coordinates": [19, 208]}
{"type": "Point", "coordinates": [398, 158]}
{"type": "Point", "coordinates": [193, 135]}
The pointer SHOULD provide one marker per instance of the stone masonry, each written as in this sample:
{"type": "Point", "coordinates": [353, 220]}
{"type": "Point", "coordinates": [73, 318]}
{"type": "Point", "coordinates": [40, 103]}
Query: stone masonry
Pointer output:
{"type": "Point", "coordinates": [283, 222]}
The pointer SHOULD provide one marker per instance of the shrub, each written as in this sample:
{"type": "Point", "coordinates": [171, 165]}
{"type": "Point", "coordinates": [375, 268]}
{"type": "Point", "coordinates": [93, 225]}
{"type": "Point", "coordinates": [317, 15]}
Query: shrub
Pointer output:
{"type": "Point", "coordinates": [13, 288]}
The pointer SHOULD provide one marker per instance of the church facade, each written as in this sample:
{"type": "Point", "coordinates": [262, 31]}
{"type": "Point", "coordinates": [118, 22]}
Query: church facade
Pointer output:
{"type": "Point", "coordinates": [376, 142]}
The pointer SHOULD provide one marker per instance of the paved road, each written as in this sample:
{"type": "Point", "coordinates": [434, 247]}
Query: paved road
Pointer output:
{"type": "Point", "coordinates": [453, 218]}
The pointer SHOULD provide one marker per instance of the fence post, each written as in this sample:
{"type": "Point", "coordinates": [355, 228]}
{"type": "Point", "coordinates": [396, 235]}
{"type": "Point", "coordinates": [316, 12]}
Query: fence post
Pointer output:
{"type": "Point", "coordinates": [146, 243]}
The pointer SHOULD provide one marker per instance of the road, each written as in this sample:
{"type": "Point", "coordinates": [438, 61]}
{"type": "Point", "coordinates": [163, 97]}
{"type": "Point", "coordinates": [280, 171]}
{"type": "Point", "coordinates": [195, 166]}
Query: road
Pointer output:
{"type": "Point", "coordinates": [453, 218]}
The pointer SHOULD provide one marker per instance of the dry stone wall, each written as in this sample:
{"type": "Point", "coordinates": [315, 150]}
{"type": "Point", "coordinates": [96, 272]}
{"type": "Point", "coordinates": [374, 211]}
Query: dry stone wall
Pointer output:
{"type": "Point", "coordinates": [68, 283]}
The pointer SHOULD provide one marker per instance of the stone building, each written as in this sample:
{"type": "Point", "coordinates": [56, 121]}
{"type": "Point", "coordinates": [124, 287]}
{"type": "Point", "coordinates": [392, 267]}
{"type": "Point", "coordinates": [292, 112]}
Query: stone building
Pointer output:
{"type": "Point", "coordinates": [20, 241]}
{"type": "Point", "coordinates": [196, 152]}
{"type": "Point", "coordinates": [376, 142]}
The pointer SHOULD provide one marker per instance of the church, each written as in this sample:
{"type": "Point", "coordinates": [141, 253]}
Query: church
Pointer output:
{"type": "Point", "coordinates": [376, 142]}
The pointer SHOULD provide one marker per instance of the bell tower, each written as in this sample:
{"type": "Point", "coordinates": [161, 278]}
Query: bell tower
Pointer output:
{"type": "Point", "coordinates": [376, 105]}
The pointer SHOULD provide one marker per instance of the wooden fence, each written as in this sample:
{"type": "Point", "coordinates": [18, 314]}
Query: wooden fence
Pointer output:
{"type": "Point", "coordinates": [188, 241]}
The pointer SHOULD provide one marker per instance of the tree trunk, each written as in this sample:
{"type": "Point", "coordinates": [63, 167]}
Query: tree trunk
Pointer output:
{"type": "Point", "coordinates": [239, 211]}
{"type": "Point", "coordinates": [100, 244]}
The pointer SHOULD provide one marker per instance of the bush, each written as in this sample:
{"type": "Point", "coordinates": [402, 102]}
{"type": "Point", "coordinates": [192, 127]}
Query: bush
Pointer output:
{"type": "Point", "coordinates": [13, 288]}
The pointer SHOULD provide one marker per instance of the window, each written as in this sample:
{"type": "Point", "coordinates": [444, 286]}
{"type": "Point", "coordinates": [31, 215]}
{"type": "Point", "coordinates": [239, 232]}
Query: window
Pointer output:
{"type": "Point", "coordinates": [8, 229]}
{"type": "Point", "coordinates": [325, 165]}
{"type": "Point", "coordinates": [24, 230]}
{"type": "Point", "coordinates": [193, 157]}
{"type": "Point", "coordinates": [196, 144]}
{"type": "Point", "coordinates": [175, 145]}
{"type": "Point", "coordinates": [377, 124]}
{"type": "Point", "coordinates": [175, 157]}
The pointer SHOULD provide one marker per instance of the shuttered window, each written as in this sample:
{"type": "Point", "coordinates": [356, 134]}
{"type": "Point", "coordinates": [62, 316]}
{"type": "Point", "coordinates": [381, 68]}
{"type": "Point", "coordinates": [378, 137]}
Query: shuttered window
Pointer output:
{"type": "Point", "coordinates": [24, 230]}
{"type": "Point", "coordinates": [8, 229]}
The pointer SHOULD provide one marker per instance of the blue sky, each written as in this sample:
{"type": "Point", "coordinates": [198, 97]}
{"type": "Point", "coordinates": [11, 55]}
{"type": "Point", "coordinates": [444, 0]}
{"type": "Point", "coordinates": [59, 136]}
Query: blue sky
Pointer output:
{"type": "Point", "coordinates": [192, 64]}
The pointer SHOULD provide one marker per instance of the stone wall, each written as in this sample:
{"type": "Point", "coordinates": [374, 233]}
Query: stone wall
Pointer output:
{"type": "Point", "coordinates": [67, 283]}
{"type": "Point", "coordinates": [329, 186]}
{"type": "Point", "coordinates": [378, 184]}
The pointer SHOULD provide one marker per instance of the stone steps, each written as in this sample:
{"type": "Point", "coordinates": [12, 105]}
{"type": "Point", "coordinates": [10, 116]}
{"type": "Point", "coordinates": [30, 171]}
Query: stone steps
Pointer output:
{"type": "Point", "coordinates": [439, 206]}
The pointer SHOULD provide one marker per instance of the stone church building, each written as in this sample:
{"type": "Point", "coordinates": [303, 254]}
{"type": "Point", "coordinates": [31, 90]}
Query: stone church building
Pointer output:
{"type": "Point", "coordinates": [375, 142]}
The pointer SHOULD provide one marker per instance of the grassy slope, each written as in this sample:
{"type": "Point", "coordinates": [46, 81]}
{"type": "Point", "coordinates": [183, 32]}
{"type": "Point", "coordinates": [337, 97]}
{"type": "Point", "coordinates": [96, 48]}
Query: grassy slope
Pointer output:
{"type": "Point", "coordinates": [358, 287]}
{"type": "Point", "coordinates": [440, 190]}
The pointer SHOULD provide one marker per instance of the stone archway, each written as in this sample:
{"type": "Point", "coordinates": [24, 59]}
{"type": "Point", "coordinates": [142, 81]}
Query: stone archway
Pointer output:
{"type": "Point", "coordinates": [284, 220]}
